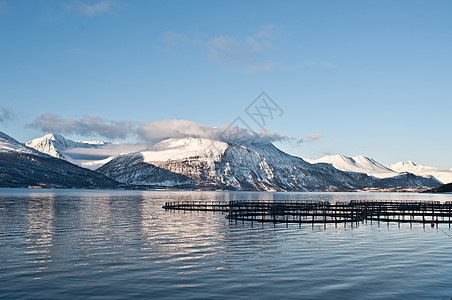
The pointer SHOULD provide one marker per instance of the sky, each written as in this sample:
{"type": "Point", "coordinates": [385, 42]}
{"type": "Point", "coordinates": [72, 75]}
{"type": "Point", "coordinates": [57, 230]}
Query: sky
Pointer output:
{"type": "Point", "coordinates": [366, 78]}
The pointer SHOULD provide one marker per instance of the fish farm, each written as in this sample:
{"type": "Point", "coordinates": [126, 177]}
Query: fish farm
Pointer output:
{"type": "Point", "coordinates": [325, 212]}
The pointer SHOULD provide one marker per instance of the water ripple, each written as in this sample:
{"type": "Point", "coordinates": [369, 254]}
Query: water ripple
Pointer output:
{"type": "Point", "coordinates": [115, 245]}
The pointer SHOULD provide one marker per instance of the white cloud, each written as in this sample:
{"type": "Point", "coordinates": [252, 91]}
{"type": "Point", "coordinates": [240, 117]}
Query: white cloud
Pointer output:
{"type": "Point", "coordinates": [268, 31]}
{"type": "Point", "coordinates": [5, 114]}
{"type": "Point", "coordinates": [87, 126]}
{"type": "Point", "coordinates": [228, 49]}
{"type": "Point", "coordinates": [237, 51]}
{"type": "Point", "coordinates": [160, 130]}
{"type": "Point", "coordinates": [156, 131]}
{"type": "Point", "coordinates": [147, 132]}
{"type": "Point", "coordinates": [265, 68]}
{"type": "Point", "coordinates": [314, 137]}
{"type": "Point", "coordinates": [249, 51]}
{"type": "Point", "coordinates": [311, 138]}
{"type": "Point", "coordinates": [105, 151]}
{"type": "Point", "coordinates": [91, 9]}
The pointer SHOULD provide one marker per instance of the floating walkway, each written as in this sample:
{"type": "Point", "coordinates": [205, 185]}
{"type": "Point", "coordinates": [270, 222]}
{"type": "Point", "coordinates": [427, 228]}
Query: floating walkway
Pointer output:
{"type": "Point", "coordinates": [325, 212]}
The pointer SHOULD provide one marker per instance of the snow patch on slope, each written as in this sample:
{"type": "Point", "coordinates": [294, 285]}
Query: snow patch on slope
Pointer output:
{"type": "Point", "coordinates": [94, 164]}
{"type": "Point", "coordinates": [9, 144]}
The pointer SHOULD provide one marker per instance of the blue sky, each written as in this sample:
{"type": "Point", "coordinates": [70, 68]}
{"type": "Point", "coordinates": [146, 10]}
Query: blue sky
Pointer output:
{"type": "Point", "coordinates": [352, 77]}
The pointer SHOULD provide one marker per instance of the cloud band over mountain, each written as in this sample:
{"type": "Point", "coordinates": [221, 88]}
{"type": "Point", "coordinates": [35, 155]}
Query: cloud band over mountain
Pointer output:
{"type": "Point", "coordinates": [146, 132]}
{"type": "Point", "coordinates": [87, 126]}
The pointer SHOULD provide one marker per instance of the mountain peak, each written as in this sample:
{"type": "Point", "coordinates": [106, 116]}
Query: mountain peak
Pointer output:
{"type": "Point", "coordinates": [53, 136]}
{"type": "Point", "coordinates": [359, 164]}
{"type": "Point", "coordinates": [411, 163]}
{"type": "Point", "coordinates": [89, 154]}
{"type": "Point", "coordinates": [361, 157]}
{"type": "Point", "coordinates": [182, 148]}
{"type": "Point", "coordinates": [330, 158]}
{"type": "Point", "coordinates": [421, 170]}
{"type": "Point", "coordinates": [341, 156]}
{"type": "Point", "coordinates": [52, 144]}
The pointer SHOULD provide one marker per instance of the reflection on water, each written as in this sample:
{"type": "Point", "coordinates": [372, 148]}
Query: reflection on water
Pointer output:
{"type": "Point", "coordinates": [122, 244]}
{"type": "Point", "coordinates": [39, 215]}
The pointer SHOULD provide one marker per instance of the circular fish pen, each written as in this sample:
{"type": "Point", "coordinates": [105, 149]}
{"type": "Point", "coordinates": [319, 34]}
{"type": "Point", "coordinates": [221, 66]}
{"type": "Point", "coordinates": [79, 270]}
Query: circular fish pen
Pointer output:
{"type": "Point", "coordinates": [324, 212]}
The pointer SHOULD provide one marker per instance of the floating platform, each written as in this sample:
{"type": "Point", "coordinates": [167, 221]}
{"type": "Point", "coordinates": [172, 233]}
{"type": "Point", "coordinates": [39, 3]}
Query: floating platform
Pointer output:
{"type": "Point", "coordinates": [324, 212]}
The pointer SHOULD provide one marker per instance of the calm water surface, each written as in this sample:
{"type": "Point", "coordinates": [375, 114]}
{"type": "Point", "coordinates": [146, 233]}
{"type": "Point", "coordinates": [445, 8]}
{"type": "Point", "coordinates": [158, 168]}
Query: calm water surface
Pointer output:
{"type": "Point", "coordinates": [122, 244]}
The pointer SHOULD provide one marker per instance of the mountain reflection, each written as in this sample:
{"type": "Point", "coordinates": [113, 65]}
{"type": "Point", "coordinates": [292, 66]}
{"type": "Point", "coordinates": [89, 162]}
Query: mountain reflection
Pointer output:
{"type": "Point", "coordinates": [179, 236]}
{"type": "Point", "coordinates": [40, 230]}
{"type": "Point", "coordinates": [187, 240]}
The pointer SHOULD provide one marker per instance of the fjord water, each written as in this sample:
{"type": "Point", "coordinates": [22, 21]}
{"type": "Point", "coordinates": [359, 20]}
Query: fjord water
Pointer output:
{"type": "Point", "coordinates": [69, 244]}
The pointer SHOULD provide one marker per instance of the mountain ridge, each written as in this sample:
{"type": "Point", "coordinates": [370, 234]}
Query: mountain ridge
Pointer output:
{"type": "Point", "coordinates": [360, 163]}
{"type": "Point", "coordinates": [421, 170]}
{"type": "Point", "coordinates": [21, 166]}
{"type": "Point", "coordinates": [251, 166]}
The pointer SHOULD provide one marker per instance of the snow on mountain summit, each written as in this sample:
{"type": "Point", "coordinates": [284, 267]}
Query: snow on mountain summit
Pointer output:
{"type": "Point", "coordinates": [409, 166]}
{"type": "Point", "coordinates": [89, 154]}
{"type": "Point", "coordinates": [260, 166]}
{"type": "Point", "coordinates": [421, 170]}
{"type": "Point", "coordinates": [369, 166]}
{"type": "Point", "coordinates": [176, 149]}
{"type": "Point", "coordinates": [57, 145]}
{"type": "Point", "coordinates": [52, 144]}
{"type": "Point", "coordinates": [360, 164]}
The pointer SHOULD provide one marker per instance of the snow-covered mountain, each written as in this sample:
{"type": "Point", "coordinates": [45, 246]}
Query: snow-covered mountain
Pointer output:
{"type": "Point", "coordinates": [210, 164]}
{"type": "Point", "coordinates": [21, 166]}
{"type": "Point", "coordinates": [421, 170]}
{"type": "Point", "coordinates": [359, 164]}
{"type": "Point", "coordinates": [9, 144]}
{"type": "Point", "coordinates": [88, 154]}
